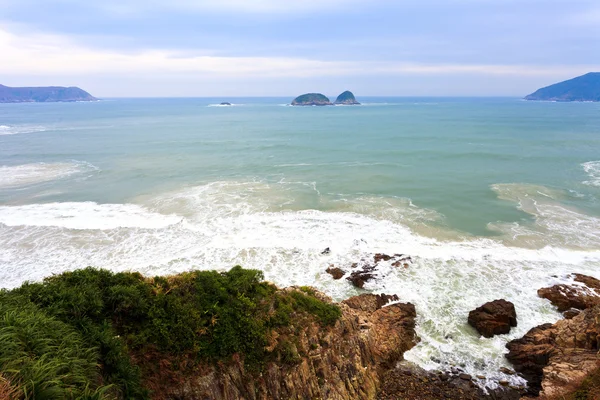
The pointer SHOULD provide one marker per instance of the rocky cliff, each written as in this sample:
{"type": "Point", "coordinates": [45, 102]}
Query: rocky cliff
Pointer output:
{"type": "Point", "coordinates": [556, 358]}
{"type": "Point", "coordinates": [345, 361]}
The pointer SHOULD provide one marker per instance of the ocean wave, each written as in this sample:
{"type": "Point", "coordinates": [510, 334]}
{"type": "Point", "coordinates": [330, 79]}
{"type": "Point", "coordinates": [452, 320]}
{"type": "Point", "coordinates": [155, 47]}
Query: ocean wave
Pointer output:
{"type": "Point", "coordinates": [555, 224]}
{"type": "Point", "coordinates": [86, 215]}
{"type": "Point", "coordinates": [592, 168]}
{"type": "Point", "coordinates": [15, 130]}
{"type": "Point", "coordinates": [218, 225]}
{"type": "Point", "coordinates": [35, 173]}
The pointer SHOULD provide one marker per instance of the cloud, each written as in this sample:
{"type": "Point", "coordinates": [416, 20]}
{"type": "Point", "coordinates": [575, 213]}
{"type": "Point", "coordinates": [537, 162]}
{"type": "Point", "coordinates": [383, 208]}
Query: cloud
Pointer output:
{"type": "Point", "coordinates": [56, 55]}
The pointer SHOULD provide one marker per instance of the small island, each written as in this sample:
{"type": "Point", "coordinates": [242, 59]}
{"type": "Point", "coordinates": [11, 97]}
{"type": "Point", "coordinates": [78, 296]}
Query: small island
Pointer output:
{"type": "Point", "coordinates": [43, 94]}
{"type": "Point", "coordinates": [225, 103]}
{"type": "Point", "coordinates": [347, 98]}
{"type": "Point", "coordinates": [582, 88]}
{"type": "Point", "coordinates": [312, 99]}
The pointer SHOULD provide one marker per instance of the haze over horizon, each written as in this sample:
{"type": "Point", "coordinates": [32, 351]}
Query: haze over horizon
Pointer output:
{"type": "Point", "coordinates": [185, 48]}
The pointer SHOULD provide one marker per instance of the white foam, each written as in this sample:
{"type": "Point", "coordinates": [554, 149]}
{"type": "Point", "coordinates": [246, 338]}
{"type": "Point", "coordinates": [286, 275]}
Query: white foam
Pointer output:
{"type": "Point", "coordinates": [30, 174]}
{"type": "Point", "coordinates": [17, 129]}
{"type": "Point", "coordinates": [555, 224]}
{"type": "Point", "coordinates": [222, 224]}
{"type": "Point", "coordinates": [87, 215]}
{"type": "Point", "coordinates": [592, 168]}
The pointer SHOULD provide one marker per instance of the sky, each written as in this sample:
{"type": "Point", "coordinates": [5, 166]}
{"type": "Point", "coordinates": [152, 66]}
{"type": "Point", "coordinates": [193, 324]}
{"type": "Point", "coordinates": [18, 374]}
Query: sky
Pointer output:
{"type": "Point", "coordinates": [189, 48]}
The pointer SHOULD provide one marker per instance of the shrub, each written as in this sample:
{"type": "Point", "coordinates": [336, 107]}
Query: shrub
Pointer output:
{"type": "Point", "coordinates": [206, 314]}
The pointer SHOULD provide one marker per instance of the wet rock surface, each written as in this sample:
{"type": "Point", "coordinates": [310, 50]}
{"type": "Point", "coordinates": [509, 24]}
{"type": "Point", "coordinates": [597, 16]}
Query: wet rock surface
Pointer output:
{"type": "Point", "coordinates": [493, 318]}
{"type": "Point", "coordinates": [365, 270]}
{"type": "Point", "coordinates": [336, 273]}
{"type": "Point", "coordinates": [551, 357]}
{"type": "Point", "coordinates": [580, 296]}
{"type": "Point", "coordinates": [409, 382]}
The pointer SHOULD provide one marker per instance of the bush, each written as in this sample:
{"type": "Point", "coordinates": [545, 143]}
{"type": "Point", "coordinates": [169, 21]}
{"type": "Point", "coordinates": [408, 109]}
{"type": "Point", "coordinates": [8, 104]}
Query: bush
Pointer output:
{"type": "Point", "coordinates": [206, 314]}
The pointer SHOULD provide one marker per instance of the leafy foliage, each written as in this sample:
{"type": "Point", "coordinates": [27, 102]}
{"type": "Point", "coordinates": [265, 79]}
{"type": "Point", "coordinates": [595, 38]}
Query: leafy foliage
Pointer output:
{"type": "Point", "coordinates": [93, 317]}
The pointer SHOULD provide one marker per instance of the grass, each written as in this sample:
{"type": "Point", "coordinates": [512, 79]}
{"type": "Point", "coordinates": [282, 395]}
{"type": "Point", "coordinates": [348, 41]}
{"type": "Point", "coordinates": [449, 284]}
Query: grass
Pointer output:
{"type": "Point", "coordinates": [74, 335]}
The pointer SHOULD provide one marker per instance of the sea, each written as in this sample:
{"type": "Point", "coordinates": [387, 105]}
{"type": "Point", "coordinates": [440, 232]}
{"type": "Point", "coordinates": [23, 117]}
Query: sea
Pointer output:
{"type": "Point", "coordinates": [490, 197]}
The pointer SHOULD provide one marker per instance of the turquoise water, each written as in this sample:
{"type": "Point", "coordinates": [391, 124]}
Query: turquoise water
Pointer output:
{"type": "Point", "coordinates": [491, 197]}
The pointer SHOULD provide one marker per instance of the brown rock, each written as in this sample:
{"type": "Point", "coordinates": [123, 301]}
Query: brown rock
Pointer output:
{"type": "Point", "coordinates": [552, 357]}
{"type": "Point", "coordinates": [370, 302]}
{"type": "Point", "coordinates": [342, 362]}
{"type": "Point", "coordinates": [381, 257]}
{"type": "Point", "coordinates": [580, 297]}
{"type": "Point", "coordinates": [360, 277]}
{"type": "Point", "coordinates": [493, 318]}
{"type": "Point", "coordinates": [336, 273]}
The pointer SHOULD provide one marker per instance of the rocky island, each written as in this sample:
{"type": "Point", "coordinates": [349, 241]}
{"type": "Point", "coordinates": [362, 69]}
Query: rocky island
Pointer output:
{"type": "Point", "coordinates": [43, 94]}
{"type": "Point", "coordinates": [347, 98]}
{"type": "Point", "coordinates": [582, 88]}
{"type": "Point", "coordinates": [311, 99]}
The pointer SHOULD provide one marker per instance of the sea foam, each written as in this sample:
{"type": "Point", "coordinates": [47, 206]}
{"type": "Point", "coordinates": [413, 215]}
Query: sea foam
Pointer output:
{"type": "Point", "coordinates": [30, 174]}
{"type": "Point", "coordinates": [254, 224]}
{"type": "Point", "coordinates": [592, 168]}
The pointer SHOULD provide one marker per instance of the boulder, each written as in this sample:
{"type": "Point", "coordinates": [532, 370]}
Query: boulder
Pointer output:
{"type": "Point", "coordinates": [360, 277]}
{"type": "Point", "coordinates": [493, 318]}
{"type": "Point", "coordinates": [336, 273]}
{"type": "Point", "coordinates": [567, 297]}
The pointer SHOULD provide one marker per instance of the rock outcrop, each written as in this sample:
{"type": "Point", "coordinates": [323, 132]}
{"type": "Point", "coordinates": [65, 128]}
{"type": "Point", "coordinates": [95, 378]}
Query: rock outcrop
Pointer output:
{"type": "Point", "coordinates": [554, 357]}
{"type": "Point", "coordinates": [569, 298]}
{"type": "Point", "coordinates": [311, 99]}
{"type": "Point", "coordinates": [365, 271]}
{"type": "Point", "coordinates": [43, 94]}
{"type": "Point", "coordinates": [409, 382]}
{"type": "Point", "coordinates": [347, 98]}
{"type": "Point", "coordinates": [345, 361]}
{"type": "Point", "coordinates": [493, 318]}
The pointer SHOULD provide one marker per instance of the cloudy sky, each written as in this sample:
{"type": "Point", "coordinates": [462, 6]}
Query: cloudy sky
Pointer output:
{"type": "Point", "coordinates": [282, 48]}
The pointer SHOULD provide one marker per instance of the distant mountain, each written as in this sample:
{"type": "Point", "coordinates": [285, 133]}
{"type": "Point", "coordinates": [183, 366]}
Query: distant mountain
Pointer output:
{"type": "Point", "coordinates": [582, 88]}
{"type": "Point", "coordinates": [346, 98]}
{"type": "Point", "coordinates": [311, 99]}
{"type": "Point", "coordinates": [43, 94]}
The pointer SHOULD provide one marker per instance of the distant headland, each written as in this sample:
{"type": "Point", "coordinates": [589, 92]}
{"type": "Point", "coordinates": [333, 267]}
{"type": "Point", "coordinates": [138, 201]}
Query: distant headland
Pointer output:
{"type": "Point", "coordinates": [582, 88]}
{"type": "Point", "coordinates": [318, 99]}
{"type": "Point", "coordinates": [43, 94]}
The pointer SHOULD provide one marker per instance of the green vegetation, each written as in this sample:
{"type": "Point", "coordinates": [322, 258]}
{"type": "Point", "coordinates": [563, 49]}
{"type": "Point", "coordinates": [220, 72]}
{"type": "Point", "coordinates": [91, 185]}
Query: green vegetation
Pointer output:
{"type": "Point", "coordinates": [81, 334]}
{"type": "Point", "coordinates": [311, 99]}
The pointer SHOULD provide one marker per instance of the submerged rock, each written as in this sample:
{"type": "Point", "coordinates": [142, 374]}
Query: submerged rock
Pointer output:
{"type": "Point", "coordinates": [494, 318]}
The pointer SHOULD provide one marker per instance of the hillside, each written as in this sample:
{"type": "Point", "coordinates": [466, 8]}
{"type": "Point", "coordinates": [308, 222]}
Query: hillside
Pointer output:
{"type": "Point", "coordinates": [582, 88]}
{"type": "Point", "coordinates": [43, 94]}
